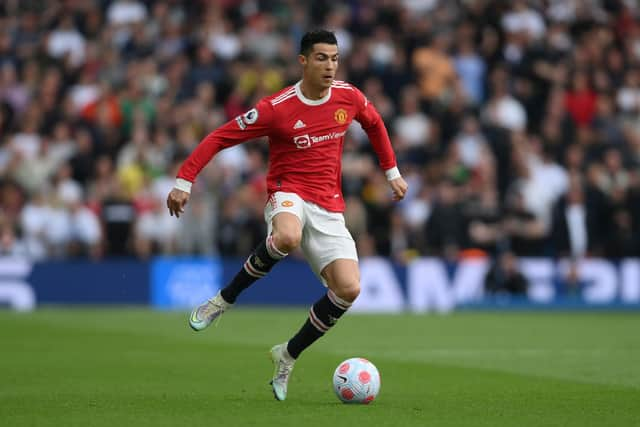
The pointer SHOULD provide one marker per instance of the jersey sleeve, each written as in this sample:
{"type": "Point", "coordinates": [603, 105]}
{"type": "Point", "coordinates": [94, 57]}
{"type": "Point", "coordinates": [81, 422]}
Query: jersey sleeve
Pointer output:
{"type": "Point", "coordinates": [373, 125]}
{"type": "Point", "coordinates": [252, 124]}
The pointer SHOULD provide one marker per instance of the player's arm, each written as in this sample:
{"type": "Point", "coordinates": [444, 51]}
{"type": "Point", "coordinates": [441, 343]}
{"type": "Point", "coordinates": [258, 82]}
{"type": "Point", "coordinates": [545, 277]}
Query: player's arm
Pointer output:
{"type": "Point", "coordinates": [253, 124]}
{"type": "Point", "coordinates": [373, 125]}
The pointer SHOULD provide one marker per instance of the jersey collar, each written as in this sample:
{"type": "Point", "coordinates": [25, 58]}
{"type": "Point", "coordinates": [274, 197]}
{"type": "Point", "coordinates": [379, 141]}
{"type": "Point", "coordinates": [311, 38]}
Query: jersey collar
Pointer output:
{"type": "Point", "coordinates": [308, 101]}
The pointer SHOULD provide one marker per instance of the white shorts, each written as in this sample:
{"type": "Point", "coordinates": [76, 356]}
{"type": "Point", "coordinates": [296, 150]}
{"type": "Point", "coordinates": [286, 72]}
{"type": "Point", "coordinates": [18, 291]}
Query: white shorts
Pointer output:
{"type": "Point", "coordinates": [325, 237]}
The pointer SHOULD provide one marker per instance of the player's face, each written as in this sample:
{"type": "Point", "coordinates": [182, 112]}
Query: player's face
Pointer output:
{"type": "Point", "coordinates": [321, 64]}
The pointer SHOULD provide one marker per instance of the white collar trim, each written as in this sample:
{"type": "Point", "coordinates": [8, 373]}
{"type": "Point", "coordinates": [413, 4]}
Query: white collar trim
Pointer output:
{"type": "Point", "coordinates": [308, 101]}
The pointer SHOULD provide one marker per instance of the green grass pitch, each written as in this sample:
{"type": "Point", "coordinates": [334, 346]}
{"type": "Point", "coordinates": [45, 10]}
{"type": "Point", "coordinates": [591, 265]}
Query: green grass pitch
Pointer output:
{"type": "Point", "coordinates": [137, 367]}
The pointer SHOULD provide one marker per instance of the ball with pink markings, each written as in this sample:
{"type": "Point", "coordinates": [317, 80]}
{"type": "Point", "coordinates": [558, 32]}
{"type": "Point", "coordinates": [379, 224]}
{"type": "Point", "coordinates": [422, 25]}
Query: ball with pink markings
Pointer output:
{"type": "Point", "coordinates": [356, 380]}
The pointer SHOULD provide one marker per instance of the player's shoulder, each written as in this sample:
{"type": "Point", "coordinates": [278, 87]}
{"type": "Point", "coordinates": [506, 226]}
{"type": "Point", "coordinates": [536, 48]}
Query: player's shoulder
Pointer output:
{"type": "Point", "coordinates": [342, 85]}
{"type": "Point", "coordinates": [346, 90]}
{"type": "Point", "coordinates": [280, 96]}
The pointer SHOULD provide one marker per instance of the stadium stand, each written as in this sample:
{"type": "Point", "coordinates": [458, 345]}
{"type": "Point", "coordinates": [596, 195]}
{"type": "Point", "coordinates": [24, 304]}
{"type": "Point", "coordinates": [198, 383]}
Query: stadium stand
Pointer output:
{"type": "Point", "coordinates": [517, 124]}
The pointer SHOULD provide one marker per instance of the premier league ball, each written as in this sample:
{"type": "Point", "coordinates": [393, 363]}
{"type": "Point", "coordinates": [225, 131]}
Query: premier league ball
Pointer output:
{"type": "Point", "coordinates": [356, 380]}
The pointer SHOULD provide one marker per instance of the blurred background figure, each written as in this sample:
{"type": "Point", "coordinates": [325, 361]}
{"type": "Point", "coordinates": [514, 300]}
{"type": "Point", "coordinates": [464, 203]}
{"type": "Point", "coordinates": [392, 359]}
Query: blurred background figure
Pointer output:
{"type": "Point", "coordinates": [504, 277]}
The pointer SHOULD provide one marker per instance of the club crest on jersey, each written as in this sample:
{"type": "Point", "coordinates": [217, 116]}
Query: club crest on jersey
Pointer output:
{"type": "Point", "coordinates": [341, 116]}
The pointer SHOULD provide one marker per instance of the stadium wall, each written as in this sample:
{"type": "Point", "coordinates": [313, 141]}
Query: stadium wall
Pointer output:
{"type": "Point", "coordinates": [425, 285]}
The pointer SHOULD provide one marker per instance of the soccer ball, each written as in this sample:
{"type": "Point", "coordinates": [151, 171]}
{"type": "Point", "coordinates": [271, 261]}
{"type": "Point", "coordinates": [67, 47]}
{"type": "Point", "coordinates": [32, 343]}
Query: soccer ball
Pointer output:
{"type": "Point", "coordinates": [356, 380]}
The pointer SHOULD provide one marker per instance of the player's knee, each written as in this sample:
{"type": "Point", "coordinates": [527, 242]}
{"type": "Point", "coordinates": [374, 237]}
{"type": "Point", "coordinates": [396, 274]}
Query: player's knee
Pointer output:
{"type": "Point", "coordinates": [287, 240]}
{"type": "Point", "coordinates": [348, 289]}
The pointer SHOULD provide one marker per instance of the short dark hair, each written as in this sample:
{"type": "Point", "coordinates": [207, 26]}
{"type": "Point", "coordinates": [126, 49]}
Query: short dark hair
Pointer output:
{"type": "Point", "coordinates": [316, 36]}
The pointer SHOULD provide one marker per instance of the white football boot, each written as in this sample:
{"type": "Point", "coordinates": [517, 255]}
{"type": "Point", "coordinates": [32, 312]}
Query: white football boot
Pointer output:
{"type": "Point", "coordinates": [283, 365]}
{"type": "Point", "coordinates": [206, 313]}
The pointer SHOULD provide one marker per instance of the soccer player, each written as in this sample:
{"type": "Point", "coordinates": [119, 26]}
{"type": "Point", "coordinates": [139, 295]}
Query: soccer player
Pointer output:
{"type": "Point", "coordinates": [305, 124]}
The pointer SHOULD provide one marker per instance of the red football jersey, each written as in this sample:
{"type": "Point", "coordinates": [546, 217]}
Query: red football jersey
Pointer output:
{"type": "Point", "coordinates": [305, 141]}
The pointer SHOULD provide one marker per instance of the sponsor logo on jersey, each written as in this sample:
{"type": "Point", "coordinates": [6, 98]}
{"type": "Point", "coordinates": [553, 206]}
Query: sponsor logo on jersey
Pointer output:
{"type": "Point", "coordinates": [287, 203]}
{"type": "Point", "coordinates": [341, 116]}
{"type": "Point", "coordinates": [299, 125]}
{"type": "Point", "coordinates": [302, 141]}
{"type": "Point", "coordinates": [305, 141]}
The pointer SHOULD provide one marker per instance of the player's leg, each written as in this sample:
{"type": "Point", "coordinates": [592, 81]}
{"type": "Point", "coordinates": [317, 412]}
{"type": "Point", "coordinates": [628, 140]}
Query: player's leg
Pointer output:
{"type": "Point", "coordinates": [342, 277]}
{"type": "Point", "coordinates": [285, 231]}
{"type": "Point", "coordinates": [331, 252]}
{"type": "Point", "coordinates": [284, 237]}
{"type": "Point", "coordinates": [343, 280]}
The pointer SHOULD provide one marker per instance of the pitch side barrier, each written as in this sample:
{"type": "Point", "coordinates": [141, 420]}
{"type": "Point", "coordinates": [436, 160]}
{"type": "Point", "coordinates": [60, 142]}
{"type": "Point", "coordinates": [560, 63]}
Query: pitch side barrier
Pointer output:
{"type": "Point", "coordinates": [424, 285]}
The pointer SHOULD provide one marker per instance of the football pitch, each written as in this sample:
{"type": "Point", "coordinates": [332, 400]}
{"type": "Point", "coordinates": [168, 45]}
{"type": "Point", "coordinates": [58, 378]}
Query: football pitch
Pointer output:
{"type": "Point", "coordinates": [137, 367]}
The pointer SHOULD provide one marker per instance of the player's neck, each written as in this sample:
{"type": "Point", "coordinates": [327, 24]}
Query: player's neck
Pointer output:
{"type": "Point", "coordinates": [312, 92]}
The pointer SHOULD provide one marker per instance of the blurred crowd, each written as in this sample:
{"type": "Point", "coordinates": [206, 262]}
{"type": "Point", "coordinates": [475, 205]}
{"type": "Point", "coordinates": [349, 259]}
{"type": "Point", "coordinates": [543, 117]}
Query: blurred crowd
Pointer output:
{"type": "Point", "coordinates": [516, 124]}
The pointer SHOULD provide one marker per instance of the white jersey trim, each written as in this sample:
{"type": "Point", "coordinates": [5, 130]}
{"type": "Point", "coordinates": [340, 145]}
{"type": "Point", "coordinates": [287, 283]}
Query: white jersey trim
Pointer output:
{"type": "Point", "coordinates": [183, 185]}
{"type": "Point", "coordinates": [281, 97]}
{"type": "Point", "coordinates": [308, 101]}
{"type": "Point", "coordinates": [291, 95]}
{"type": "Point", "coordinates": [342, 85]}
{"type": "Point", "coordinates": [392, 173]}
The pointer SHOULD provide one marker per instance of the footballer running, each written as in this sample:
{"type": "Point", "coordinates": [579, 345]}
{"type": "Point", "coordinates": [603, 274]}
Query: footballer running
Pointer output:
{"type": "Point", "coordinates": [305, 125]}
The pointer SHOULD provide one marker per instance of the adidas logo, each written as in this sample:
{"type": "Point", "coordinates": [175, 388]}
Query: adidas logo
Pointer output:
{"type": "Point", "coordinates": [299, 125]}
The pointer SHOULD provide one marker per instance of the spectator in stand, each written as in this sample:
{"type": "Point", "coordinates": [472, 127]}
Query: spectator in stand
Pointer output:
{"type": "Point", "coordinates": [502, 109]}
{"type": "Point", "coordinates": [412, 127]}
{"type": "Point", "coordinates": [579, 221]}
{"type": "Point", "coordinates": [471, 68]}
{"type": "Point", "coordinates": [581, 100]}
{"type": "Point", "coordinates": [66, 43]}
{"type": "Point", "coordinates": [445, 228]}
{"type": "Point", "coordinates": [435, 70]}
{"type": "Point", "coordinates": [504, 277]}
{"type": "Point", "coordinates": [483, 217]}
{"type": "Point", "coordinates": [11, 245]}
{"type": "Point", "coordinates": [525, 232]}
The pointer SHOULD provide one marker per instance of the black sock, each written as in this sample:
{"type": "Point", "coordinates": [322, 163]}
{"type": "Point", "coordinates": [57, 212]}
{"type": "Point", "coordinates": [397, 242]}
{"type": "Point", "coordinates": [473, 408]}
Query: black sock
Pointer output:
{"type": "Point", "coordinates": [322, 316]}
{"type": "Point", "coordinates": [259, 263]}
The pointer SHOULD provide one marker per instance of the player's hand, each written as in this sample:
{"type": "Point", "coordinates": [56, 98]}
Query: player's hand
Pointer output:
{"type": "Point", "coordinates": [176, 200]}
{"type": "Point", "coordinates": [399, 187]}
